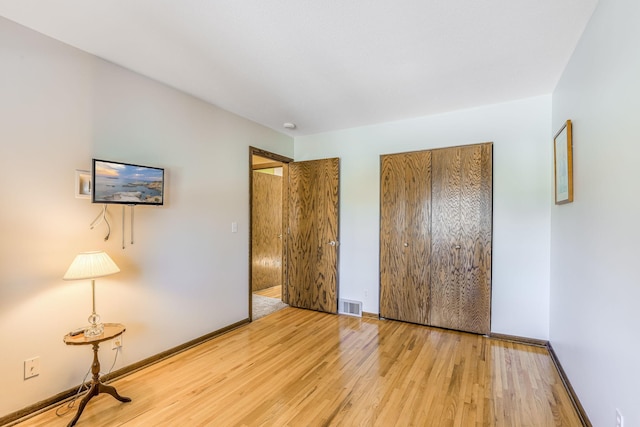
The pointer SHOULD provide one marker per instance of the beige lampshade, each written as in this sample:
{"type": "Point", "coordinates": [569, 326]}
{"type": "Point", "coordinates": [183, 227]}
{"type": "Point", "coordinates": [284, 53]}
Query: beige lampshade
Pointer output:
{"type": "Point", "coordinates": [89, 265]}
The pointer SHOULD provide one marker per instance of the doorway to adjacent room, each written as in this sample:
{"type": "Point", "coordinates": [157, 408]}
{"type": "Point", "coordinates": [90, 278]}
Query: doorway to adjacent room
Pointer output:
{"type": "Point", "coordinates": [267, 240]}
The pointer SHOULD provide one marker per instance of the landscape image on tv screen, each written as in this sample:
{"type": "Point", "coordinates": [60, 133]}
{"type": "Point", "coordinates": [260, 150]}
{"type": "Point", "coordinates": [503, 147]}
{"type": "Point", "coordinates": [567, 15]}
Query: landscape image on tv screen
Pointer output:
{"type": "Point", "coordinates": [115, 182]}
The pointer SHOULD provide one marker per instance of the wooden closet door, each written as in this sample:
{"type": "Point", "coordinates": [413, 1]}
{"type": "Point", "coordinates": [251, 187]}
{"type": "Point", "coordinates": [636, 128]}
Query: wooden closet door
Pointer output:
{"type": "Point", "coordinates": [405, 203]}
{"type": "Point", "coordinates": [312, 249]}
{"type": "Point", "coordinates": [461, 238]}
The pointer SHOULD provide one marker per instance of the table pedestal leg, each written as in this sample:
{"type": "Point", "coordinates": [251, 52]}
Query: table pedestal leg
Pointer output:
{"type": "Point", "coordinates": [96, 388]}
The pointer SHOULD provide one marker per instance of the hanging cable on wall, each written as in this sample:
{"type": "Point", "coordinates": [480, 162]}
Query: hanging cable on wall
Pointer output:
{"type": "Point", "coordinates": [122, 226]}
{"type": "Point", "coordinates": [102, 217]}
{"type": "Point", "coordinates": [131, 230]}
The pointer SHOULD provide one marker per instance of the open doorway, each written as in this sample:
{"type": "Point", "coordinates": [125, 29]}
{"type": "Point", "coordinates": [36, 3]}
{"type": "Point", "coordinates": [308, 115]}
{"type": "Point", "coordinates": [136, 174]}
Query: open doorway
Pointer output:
{"type": "Point", "coordinates": [267, 236]}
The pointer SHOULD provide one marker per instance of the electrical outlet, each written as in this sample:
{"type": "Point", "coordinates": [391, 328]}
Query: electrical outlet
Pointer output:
{"type": "Point", "coordinates": [32, 367]}
{"type": "Point", "coordinates": [619, 419]}
{"type": "Point", "coordinates": [116, 343]}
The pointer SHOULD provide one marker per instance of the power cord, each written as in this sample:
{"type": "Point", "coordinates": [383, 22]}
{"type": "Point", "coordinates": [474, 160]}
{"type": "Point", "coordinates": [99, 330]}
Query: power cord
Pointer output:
{"type": "Point", "coordinates": [84, 387]}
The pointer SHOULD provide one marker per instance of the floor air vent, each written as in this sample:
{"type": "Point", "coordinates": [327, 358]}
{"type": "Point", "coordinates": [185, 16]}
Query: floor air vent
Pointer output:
{"type": "Point", "coordinates": [351, 308]}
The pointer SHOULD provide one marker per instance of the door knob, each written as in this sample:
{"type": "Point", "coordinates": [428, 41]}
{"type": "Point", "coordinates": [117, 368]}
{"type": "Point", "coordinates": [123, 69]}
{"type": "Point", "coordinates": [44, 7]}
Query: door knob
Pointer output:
{"type": "Point", "coordinates": [457, 246]}
{"type": "Point", "coordinates": [333, 243]}
{"type": "Point", "coordinates": [406, 245]}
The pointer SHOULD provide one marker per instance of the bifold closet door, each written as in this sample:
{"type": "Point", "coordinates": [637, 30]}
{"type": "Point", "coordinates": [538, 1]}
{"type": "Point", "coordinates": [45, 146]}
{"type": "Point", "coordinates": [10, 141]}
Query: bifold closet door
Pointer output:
{"type": "Point", "coordinates": [461, 238]}
{"type": "Point", "coordinates": [405, 203]}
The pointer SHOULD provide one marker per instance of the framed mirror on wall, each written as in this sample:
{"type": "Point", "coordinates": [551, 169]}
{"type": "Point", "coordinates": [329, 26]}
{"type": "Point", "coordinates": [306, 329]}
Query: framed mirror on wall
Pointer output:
{"type": "Point", "coordinates": [563, 164]}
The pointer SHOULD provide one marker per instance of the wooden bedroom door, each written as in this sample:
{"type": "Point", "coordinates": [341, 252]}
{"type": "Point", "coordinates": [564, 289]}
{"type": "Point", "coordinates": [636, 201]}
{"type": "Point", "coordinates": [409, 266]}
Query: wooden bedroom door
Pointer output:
{"type": "Point", "coordinates": [461, 228]}
{"type": "Point", "coordinates": [405, 242]}
{"type": "Point", "coordinates": [312, 249]}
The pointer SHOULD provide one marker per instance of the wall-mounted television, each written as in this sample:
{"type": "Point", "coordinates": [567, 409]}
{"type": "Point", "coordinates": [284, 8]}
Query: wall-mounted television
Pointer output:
{"type": "Point", "coordinates": [126, 184]}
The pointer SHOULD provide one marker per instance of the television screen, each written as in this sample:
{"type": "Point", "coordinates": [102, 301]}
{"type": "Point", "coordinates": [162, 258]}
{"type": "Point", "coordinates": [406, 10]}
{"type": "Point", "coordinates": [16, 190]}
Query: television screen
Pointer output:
{"type": "Point", "coordinates": [127, 184]}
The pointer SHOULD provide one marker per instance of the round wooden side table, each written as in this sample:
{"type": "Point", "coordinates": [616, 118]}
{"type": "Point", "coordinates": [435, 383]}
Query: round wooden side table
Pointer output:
{"type": "Point", "coordinates": [111, 330]}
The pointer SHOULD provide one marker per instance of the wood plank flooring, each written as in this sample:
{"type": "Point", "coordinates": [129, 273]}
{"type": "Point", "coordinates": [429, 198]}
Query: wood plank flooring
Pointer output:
{"type": "Point", "coordinates": [272, 292]}
{"type": "Point", "coordinates": [305, 368]}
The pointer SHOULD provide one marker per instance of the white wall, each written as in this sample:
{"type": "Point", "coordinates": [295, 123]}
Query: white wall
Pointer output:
{"type": "Point", "coordinates": [186, 274]}
{"type": "Point", "coordinates": [595, 286]}
{"type": "Point", "coordinates": [522, 182]}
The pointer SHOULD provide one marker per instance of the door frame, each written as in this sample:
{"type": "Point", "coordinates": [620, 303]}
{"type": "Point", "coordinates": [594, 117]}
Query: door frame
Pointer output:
{"type": "Point", "coordinates": [285, 202]}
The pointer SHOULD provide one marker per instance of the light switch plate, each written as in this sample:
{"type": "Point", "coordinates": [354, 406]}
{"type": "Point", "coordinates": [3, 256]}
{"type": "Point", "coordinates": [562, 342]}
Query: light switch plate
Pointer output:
{"type": "Point", "coordinates": [31, 367]}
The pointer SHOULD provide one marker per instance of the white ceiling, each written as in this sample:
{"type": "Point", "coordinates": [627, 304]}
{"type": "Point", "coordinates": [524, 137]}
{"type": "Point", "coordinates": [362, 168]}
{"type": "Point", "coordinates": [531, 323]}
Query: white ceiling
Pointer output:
{"type": "Point", "coordinates": [326, 64]}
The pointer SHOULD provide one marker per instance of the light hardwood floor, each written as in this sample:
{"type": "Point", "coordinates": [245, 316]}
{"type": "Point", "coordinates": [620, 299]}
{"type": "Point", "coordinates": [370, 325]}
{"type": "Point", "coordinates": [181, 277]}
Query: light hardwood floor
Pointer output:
{"type": "Point", "coordinates": [304, 368]}
{"type": "Point", "coordinates": [272, 292]}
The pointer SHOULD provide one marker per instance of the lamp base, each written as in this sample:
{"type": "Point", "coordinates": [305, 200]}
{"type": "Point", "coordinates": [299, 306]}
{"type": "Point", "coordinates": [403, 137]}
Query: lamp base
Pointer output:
{"type": "Point", "coordinates": [95, 328]}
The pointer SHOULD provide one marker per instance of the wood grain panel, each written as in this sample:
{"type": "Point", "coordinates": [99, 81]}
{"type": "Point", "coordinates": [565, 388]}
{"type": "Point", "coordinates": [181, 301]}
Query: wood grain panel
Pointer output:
{"type": "Point", "coordinates": [304, 368]}
{"type": "Point", "coordinates": [405, 244]}
{"type": "Point", "coordinates": [313, 223]}
{"type": "Point", "coordinates": [266, 233]}
{"type": "Point", "coordinates": [445, 237]}
{"type": "Point", "coordinates": [461, 238]}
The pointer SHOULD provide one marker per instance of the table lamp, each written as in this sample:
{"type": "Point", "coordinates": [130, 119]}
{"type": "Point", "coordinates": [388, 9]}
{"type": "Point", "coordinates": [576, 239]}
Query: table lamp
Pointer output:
{"type": "Point", "coordinates": [89, 265]}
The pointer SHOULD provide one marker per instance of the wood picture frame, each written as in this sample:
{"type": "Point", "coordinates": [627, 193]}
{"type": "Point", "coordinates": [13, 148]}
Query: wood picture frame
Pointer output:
{"type": "Point", "coordinates": [563, 164]}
